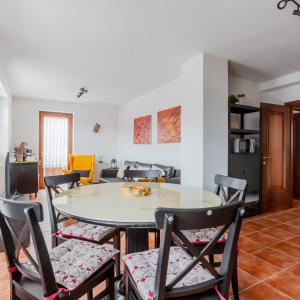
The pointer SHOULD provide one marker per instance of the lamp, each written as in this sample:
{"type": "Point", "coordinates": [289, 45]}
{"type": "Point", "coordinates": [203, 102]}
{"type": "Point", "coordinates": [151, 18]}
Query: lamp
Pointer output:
{"type": "Point", "coordinates": [283, 3]}
{"type": "Point", "coordinates": [113, 163]}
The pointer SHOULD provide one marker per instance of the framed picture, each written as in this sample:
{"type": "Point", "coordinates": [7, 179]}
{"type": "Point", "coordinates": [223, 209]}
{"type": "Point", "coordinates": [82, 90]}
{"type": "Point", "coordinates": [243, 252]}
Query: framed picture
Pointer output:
{"type": "Point", "coordinates": [143, 130]}
{"type": "Point", "coordinates": [169, 125]}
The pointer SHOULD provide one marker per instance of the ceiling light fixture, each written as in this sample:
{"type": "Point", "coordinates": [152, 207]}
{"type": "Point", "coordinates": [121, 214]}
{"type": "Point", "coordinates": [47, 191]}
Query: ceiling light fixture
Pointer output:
{"type": "Point", "coordinates": [283, 3]}
{"type": "Point", "coordinates": [82, 91]}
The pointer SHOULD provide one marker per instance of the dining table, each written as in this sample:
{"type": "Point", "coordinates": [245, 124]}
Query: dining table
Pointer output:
{"type": "Point", "coordinates": [113, 204]}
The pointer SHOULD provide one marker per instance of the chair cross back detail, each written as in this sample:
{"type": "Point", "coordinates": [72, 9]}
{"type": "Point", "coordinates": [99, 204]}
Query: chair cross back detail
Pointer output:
{"type": "Point", "coordinates": [237, 189]}
{"type": "Point", "coordinates": [173, 221]}
{"type": "Point", "coordinates": [54, 183]}
{"type": "Point", "coordinates": [29, 214]}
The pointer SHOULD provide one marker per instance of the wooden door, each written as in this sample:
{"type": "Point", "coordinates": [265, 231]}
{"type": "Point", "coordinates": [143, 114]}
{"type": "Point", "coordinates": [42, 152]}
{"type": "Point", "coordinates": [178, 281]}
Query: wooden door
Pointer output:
{"type": "Point", "coordinates": [68, 117]}
{"type": "Point", "coordinates": [276, 186]}
{"type": "Point", "coordinates": [296, 155]}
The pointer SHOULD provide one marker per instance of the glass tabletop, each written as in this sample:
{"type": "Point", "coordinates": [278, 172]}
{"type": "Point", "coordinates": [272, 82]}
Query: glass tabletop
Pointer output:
{"type": "Point", "coordinates": [113, 204]}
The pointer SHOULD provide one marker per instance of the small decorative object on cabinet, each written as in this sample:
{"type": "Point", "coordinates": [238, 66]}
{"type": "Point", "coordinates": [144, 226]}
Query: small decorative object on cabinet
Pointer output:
{"type": "Point", "coordinates": [244, 152]}
{"type": "Point", "coordinates": [114, 164]}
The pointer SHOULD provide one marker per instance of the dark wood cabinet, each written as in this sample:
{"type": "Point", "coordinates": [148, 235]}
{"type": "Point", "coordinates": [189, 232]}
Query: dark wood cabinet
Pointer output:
{"type": "Point", "coordinates": [24, 177]}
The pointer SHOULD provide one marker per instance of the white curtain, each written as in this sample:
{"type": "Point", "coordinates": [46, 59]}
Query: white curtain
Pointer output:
{"type": "Point", "coordinates": [55, 142]}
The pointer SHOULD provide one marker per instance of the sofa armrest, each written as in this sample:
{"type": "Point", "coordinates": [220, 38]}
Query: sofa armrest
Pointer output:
{"type": "Point", "coordinates": [175, 180]}
{"type": "Point", "coordinates": [111, 173]}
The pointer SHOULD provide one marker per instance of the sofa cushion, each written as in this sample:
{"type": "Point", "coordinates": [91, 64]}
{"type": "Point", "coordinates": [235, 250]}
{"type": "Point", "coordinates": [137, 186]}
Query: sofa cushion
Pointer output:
{"type": "Point", "coordinates": [143, 166]}
{"type": "Point", "coordinates": [130, 163]}
{"type": "Point", "coordinates": [169, 170]}
{"type": "Point", "coordinates": [113, 179]}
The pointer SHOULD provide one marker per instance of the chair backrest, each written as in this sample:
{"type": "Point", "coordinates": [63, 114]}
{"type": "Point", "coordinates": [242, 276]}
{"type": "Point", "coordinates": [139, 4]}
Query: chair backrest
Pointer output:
{"type": "Point", "coordinates": [149, 174]}
{"type": "Point", "coordinates": [29, 214]}
{"type": "Point", "coordinates": [172, 222]}
{"type": "Point", "coordinates": [82, 162]}
{"type": "Point", "coordinates": [55, 184]}
{"type": "Point", "coordinates": [236, 189]}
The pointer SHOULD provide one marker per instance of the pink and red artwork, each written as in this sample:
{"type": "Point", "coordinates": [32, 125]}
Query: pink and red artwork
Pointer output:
{"type": "Point", "coordinates": [142, 130]}
{"type": "Point", "coordinates": [169, 125]}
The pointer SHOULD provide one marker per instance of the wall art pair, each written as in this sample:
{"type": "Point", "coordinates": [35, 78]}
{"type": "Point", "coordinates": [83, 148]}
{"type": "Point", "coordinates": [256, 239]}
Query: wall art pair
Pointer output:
{"type": "Point", "coordinates": [168, 127]}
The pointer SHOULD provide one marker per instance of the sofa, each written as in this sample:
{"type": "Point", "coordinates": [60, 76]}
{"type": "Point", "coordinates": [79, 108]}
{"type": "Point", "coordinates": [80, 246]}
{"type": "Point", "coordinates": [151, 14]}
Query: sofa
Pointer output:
{"type": "Point", "coordinates": [171, 175]}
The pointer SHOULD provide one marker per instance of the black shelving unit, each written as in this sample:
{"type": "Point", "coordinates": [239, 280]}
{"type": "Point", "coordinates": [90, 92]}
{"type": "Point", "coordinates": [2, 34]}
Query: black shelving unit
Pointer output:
{"type": "Point", "coordinates": [245, 165]}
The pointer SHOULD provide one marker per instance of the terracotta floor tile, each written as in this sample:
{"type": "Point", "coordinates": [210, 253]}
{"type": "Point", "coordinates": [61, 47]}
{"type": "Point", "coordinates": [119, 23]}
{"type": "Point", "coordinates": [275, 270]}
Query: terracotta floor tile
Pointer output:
{"type": "Point", "coordinates": [256, 267]}
{"type": "Point", "coordinates": [245, 231]}
{"type": "Point", "coordinates": [252, 225]}
{"type": "Point", "coordinates": [266, 222]}
{"type": "Point", "coordinates": [290, 228]}
{"type": "Point", "coordinates": [4, 276]}
{"type": "Point", "coordinates": [279, 233]}
{"type": "Point", "coordinates": [287, 249]}
{"type": "Point", "coordinates": [249, 246]}
{"type": "Point", "coordinates": [295, 270]}
{"type": "Point", "coordinates": [280, 217]}
{"type": "Point", "coordinates": [275, 258]}
{"type": "Point", "coordinates": [263, 239]}
{"type": "Point", "coordinates": [295, 241]}
{"type": "Point", "coordinates": [295, 222]}
{"type": "Point", "coordinates": [288, 284]}
{"type": "Point", "coordinates": [4, 291]}
{"type": "Point", "coordinates": [262, 291]}
{"type": "Point", "coordinates": [246, 280]}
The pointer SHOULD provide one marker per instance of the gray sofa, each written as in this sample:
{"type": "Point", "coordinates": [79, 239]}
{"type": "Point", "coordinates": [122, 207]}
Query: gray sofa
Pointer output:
{"type": "Point", "coordinates": [171, 175]}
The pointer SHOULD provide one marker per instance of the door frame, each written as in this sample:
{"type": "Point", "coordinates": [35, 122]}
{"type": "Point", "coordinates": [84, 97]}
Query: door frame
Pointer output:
{"type": "Point", "coordinates": [42, 114]}
{"type": "Point", "coordinates": [293, 105]}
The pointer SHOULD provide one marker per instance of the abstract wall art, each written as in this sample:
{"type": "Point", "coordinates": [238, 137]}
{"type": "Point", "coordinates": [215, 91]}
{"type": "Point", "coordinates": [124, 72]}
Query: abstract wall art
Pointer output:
{"type": "Point", "coordinates": [169, 125]}
{"type": "Point", "coordinates": [142, 130]}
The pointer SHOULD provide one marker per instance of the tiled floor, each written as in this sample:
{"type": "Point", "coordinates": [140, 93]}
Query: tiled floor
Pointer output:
{"type": "Point", "coordinates": [269, 259]}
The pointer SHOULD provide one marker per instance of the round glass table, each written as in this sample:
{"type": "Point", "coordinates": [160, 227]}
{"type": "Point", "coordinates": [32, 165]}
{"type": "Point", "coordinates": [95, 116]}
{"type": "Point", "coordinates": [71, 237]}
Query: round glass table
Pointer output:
{"type": "Point", "coordinates": [112, 204]}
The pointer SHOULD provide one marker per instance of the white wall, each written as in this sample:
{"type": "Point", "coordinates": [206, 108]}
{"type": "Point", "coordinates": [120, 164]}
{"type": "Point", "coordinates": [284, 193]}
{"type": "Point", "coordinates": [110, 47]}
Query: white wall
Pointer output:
{"type": "Point", "coordinates": [195, 90]}
{"type": "Point", "coordinates": [215, 122]}
{"type": "Point", "coordinates": [164, 97]}
{"type": "Point", "coordinates": [282, 95]}
{"type": "Point", "coordinates": [104, 144]}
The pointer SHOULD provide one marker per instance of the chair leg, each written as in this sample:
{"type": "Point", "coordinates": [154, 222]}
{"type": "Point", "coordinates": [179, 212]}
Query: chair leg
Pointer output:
{"type": "Point", "coordinates": [211, 259]}
{"type": "Point", "coordinates": [117, 245]}
{"type": "Point", "coordinates": [110, 283]}
{"type": "Point", "coordinates": [126, 279]}
{"type": "Point", "coordinates": [234, 281]}
{"type": "Point", "coordinates": [90, 295]}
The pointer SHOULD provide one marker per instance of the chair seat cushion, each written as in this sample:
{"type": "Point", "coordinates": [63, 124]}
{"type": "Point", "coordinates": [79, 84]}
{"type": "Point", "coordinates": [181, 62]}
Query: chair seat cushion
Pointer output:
{"type": "Point", "coordinates": [74, 261]}
{"type": "Point", "coordinates": [86, 231]}
{"type": "Point", "coordinates": [203, 236]}
{"type": "Point", "coordinates": [142, 267]}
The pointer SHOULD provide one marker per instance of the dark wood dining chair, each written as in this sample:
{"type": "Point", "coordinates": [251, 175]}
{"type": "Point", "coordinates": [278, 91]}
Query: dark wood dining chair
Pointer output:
{"type": "Point", "coordinates": [183, 271]}
{"type": "Point", "coordinates": [68, 271]}
{"type": "Point", "coordinates": [230, 190]}
{"type": "Point", "coordinates": [145, 174]}
{"type": "Point", "coordinates": [80, 230]}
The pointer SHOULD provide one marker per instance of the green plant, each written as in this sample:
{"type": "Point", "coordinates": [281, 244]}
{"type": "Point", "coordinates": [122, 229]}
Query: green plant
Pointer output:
{"type": "Point", "coordinates": [233, 99]}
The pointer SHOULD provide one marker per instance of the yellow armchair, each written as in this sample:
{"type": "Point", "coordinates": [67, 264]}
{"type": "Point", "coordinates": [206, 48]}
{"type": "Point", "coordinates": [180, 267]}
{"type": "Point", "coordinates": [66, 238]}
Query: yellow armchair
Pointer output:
{"type": "Point", "coordinates": [84, 164]}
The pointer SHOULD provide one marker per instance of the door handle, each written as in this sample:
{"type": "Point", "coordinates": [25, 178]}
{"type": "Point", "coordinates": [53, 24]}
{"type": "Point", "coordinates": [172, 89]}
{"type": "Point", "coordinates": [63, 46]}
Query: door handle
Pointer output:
{"type": "Point", "coordinates": [266, 157]}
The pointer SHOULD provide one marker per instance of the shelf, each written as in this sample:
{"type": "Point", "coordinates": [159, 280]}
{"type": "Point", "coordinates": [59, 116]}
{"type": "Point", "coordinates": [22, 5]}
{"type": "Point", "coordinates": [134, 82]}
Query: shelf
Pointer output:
{"type": "Point", "coordinates": [243, 109]}
{"type": "Point", "coordinates": [243, 131]}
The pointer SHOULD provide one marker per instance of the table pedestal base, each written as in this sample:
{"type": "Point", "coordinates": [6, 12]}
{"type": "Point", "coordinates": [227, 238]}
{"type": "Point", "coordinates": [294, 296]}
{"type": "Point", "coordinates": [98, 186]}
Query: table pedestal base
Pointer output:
{"type": "Point", "coordinates": [136, 240]}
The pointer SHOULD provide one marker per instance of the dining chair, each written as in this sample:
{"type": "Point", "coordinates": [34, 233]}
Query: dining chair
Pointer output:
{"type": "Point", "coordinates": [80, 230]}
{"type": "Point", "coordinates": [143, 174]}
{"type": "Point", "coordinates": [230, 190]}
{"type": "Point", "coordinates": [68, 271]}
{"type": "Point", "coordinates": [183, 270]}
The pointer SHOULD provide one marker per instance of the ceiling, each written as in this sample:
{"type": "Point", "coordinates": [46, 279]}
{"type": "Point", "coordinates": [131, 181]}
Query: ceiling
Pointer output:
{"type": "Point", "coordinates": [121, 49]}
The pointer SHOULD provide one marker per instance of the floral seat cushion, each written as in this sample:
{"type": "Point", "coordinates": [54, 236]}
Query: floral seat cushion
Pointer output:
{"type": "Point", "coordinates": [203, 236]}
{"type": "Point", "coordinates": [86, 231]}
{"type": "Point", "coordinates": [74, 261]}
{"type": "Point", "coordinates": [142, 267]}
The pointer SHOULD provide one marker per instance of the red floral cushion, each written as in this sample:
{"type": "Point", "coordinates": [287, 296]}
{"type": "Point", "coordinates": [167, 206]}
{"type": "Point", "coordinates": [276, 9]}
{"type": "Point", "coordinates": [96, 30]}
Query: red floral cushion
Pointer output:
{"type": "Point", "coordinates": [142, 267]}
{"type": "Point", "coordinates": [86, 231]}
{"type": "Point", "coordinates": [203, 236]}
{"type": "Point", "coordinates": [74, 261]}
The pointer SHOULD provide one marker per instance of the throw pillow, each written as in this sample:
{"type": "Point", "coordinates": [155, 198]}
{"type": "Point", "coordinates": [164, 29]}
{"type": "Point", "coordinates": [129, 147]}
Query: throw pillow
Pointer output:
{"type": "Point", "coordinates": [121, 170]}
{"type": "Point", "coordinates": [156, 168]}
